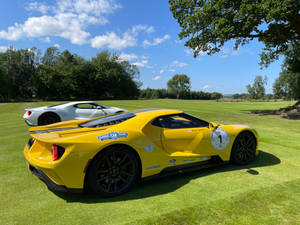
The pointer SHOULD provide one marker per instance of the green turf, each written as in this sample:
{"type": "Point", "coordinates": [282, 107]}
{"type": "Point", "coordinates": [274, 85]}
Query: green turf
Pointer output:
{"type": "Point", "coordinates": [265, 192]}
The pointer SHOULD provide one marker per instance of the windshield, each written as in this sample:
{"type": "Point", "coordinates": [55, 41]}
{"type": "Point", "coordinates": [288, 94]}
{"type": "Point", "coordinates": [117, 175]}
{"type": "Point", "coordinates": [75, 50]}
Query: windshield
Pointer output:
{"type": "Point", "coordinates": [108, 120]}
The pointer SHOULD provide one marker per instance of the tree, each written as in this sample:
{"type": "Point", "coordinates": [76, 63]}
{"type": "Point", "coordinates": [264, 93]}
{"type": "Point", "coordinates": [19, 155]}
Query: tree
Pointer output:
{"type": "Point", "coordinates": [257, 90]}
{"type": "Point", "coordinates": [179, 84]}
{"type": "Point", "coordinates": [208, 24]}
{"type": "Point", "coordinates": [114, 78]}
{"type": "Point", "coordinates": [287, 85]}
{"type": "Point", "coordinates": [20, 68]}
{"type": "Point", "coordinates": [50, 57]}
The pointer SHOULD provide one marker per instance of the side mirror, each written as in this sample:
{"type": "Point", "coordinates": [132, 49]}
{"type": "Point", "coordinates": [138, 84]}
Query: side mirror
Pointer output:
{"type": "Point", "coordinates": [213, 125]}
{"type": "Point", "coordinates": [98, 107]}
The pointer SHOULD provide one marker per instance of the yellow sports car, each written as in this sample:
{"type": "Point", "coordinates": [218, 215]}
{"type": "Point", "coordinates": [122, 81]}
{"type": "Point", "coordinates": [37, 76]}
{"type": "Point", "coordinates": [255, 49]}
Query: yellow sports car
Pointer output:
{"type": "Point", "coordinates": [110, 154]}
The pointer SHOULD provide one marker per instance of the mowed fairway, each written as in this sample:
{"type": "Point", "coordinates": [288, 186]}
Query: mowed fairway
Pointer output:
{"type": "Point", "coordinates": [265, 192]}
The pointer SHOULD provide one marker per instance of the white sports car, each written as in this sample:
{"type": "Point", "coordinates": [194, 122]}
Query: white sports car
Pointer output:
{"type": "Point", "coordinates": [67, 111]}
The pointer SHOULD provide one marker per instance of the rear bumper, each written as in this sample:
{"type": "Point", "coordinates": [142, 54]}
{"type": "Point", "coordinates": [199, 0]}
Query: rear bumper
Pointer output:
{"type": "Point", "coordinates": [29, 123]}
{"type": "Point", "coordinates": [50, 184]}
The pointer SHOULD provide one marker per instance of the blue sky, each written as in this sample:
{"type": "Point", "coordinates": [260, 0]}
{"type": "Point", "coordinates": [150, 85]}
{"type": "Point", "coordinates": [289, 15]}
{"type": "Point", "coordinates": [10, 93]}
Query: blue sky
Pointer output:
{"type": "Point", "coordinates": [141, 31]}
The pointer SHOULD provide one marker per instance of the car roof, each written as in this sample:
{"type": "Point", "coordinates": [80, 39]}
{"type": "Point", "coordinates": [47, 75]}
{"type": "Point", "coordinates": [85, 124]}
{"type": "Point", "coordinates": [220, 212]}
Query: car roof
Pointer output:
{"type": "Point", "coordinates": [73, 103]}
{"type": "Point", "coordinates": [156, 112]}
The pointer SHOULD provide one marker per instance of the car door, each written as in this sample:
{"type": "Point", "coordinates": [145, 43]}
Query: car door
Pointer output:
{"type": "Point", "coordinates": [182, 133]}
{"type": "Point", "coordinates": [87, 110]}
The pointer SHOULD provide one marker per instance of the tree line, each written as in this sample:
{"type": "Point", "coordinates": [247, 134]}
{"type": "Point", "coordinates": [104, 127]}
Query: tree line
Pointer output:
{"type": "Point", "coordinates": [165, 93]}
{"type": "Point", "coordinates": [26, 74]}
{"type": "Point", "coordinates": [179, 87]}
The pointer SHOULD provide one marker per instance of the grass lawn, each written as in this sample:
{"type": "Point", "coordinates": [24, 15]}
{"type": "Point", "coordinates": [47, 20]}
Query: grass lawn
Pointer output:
{"type": "Point", "coordinates": [265, 192]}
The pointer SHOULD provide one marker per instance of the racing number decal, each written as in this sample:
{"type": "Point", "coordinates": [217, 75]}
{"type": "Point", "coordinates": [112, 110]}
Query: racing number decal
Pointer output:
{"type": "Point", "coordinates": [219, 139]}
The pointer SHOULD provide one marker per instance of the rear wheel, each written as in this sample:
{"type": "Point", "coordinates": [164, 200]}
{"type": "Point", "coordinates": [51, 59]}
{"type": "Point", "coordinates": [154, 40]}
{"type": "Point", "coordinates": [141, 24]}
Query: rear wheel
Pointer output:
{"type": "Point", "coordinates": [113, 172]}
{"type": "Point", "coordinates": [244, 148]}
{"type": "Point", "coordinates": [48, 118]}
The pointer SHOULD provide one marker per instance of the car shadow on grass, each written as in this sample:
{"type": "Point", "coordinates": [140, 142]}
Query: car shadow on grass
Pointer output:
{"type": "Point", "coordinates": [169, 184]}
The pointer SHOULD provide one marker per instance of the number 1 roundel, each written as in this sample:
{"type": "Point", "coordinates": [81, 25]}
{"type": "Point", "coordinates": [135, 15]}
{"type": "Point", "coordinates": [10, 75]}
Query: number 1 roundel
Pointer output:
{"type": "Point", "coordinates": [219, 139]}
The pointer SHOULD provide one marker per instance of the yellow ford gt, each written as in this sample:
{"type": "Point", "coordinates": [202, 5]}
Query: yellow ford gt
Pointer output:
{"type": "Point", "coordinates": [110, 154]}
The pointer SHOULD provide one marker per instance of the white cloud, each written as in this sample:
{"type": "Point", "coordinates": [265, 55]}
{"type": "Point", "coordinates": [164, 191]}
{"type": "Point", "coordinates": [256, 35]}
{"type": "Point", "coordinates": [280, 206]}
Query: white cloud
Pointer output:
{"type": "Point", "coordinates": [56, 46]}
{"type": "Point", "coordinates": [156, 78]}
{"type": "Point", "coordinates": [226, 52]}
{"type": "Point", "coordinates": [113, 41]}
{"type": "Point", "coordinates": [66, 18]}
{"type": "Point", "coordinates": [156, 41]}
{"type": "Point", "coordinates": [128, 57]}
{"type": "Point", "coordinates": [188, 52]}
{"type": "Point", "coordinates": [178, 64]}
{"type": "Point", "coordinates": [206, 87]}
{"type": "Point", "coordinates": [3, 48]}
{"type": "Point", "coordinates": [224, 56]}
{"type": "Point", "coordinates": [13, 33]}
{"type": "Point", "coordinates": [161, 71]}
{"type": "Point", "coordinates": [36, 6]}
{"type": "Point", "coordinates": [150, 30]}
{"type": "Point", "coordinates": [142, 63]}
{"type": "Point", "coordinates": [46, 40]}
{"type": "Point", "coordinates": [172, 70]}
{"type": "Point", "coordinates": [138, 28]}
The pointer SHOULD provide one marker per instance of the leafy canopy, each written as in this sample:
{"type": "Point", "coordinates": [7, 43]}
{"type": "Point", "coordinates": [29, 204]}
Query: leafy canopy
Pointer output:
{"type": "Point", "coordinates": [257, 90]}
{"type": "Point", "coordinates": [287, 85]}
{"type": "Point", "coordinates": [179, 84]}
{"type": "Point", "coordinates": [208, 24]}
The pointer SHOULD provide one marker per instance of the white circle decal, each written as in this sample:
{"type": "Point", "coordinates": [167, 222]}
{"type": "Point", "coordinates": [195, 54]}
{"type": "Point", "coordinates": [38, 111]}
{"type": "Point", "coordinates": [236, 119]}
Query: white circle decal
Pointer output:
{"type": "Point", "coordinates": [219, 139]}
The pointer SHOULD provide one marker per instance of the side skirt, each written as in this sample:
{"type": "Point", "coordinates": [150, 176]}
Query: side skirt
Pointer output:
{"type": "Point", "coordinates": [175, 170]}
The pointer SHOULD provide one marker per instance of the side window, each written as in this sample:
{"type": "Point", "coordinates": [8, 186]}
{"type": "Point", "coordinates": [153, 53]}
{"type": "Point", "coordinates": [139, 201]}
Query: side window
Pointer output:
{"type": "Point", "coordinates": [99, 105]}
{"type": "Point", "coordinates": [85, 106]}
{"type": "Point", "coordinates": [178, 121]}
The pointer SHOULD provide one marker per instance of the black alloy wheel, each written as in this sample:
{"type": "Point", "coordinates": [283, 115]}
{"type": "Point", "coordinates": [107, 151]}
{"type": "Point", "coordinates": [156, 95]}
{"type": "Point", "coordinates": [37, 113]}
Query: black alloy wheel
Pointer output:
{"type": "Point", "coordinates": [48, 119]}
{"type": "Point", "coordinates": [113, 172]}
{"type": "Point", "coordinates": [244, 147]}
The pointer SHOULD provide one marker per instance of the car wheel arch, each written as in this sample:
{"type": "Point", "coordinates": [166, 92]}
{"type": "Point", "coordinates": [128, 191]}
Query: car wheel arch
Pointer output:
{"type": "Point", "coordinates": [240, 133]}
{"type": "Point", "coordinates": [48, 113]}
{"type": "Point", "coordinates": [89, 163]}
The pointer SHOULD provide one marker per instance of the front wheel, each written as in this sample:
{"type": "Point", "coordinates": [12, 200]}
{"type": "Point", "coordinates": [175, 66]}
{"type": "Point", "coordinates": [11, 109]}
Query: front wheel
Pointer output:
{"type": "Point", "coordinates": [244, 148]}
{"type": "Point", "coordinates": [113, 172]}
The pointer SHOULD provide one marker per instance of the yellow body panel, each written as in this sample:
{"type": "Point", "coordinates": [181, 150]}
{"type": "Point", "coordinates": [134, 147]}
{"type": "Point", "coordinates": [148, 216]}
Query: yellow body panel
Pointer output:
{"type": "Point", "coordinates": [157, 148]}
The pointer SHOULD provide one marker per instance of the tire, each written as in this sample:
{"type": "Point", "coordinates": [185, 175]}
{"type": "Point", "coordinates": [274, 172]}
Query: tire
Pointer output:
{"type": "Point", "coordinates": [113, 172]}
{"type": "Point", "coordinates": [244, 148]}
{"type": "Point", "coordinates": [48, 118]}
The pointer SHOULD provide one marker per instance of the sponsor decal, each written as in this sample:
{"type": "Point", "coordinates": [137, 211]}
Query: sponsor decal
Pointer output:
{"type": "Point", "coordinates": [189, 160]}
{"type": "Point", "coordinates": [172, 161]}
{"type": "Point", "coordinates": [219, 139]}
{"type": "Point", "coordinates": [112, 136]}
{"type": "Point", "coordinates": [153, 167]}
{"type": "Point", "coordinates": [149, 148]}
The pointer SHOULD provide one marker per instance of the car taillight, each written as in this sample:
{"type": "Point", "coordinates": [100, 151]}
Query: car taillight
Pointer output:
{"type": "Point", "coordinates": [29, 113]}
{"type": "Point", "coordinates": [57, 152]}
